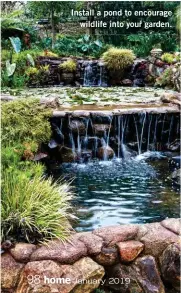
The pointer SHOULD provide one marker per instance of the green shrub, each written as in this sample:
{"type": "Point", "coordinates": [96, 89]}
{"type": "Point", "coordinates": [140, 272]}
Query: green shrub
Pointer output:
{"type": "Point", "coordinates": [166, 79]}
{"type": "Point", "coordinates": [33, 210]}
{"type": "Point", "coordinates": [24, 120]}
{"type": "Point", "coordinates": [5, 55]}
{"type": "Point", "coordinates": [68, 66]}
{"type": "Point", "coordinates": [168, 58]}
{"type": "Point", "coordinates": [118, 59]}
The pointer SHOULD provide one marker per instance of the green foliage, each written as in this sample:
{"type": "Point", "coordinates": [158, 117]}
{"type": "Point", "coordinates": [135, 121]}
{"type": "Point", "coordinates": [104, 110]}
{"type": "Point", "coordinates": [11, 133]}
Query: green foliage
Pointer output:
{"type": "Point", "coordinates": [49, 54]}
{"type": "Point", "coordinates": [25, 120]}
{"type": "Point", "coordinates": [16, 43]}
{"type": "Point", "coordinates": [143, 43]}
{"type": "Point", "coordinates": [5, 55]}
{"type": "Point", "coordinates": [35, 209]}
{"type": "Point", "coordinates": [32, 71]}
{"type": "Point", "coordinates": [11, 20]}
{"type": "Point", "coordinates": [118, 59]}
{"type": "Point", "coordinates": [10, 68]}
{"type": "Point", "coordinates": [79, 46]}
{"type": "Point", "coordinates": [30, 59]}
{"type": "Point", "coordinates": [88, 46]}
{"type": "Point", "coordinates": [166, 79]}
{"type": "Point", "coordinates": [68, 66]}
{"type": "Point", "coordinates": [168, 58]}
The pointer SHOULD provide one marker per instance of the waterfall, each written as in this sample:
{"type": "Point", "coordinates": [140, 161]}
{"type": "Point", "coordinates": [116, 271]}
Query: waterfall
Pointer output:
{"type": "Point", "coordinates": [94, 74]}
{"type": "Point", "coordinates": [104, 146]}
{"type": "Point", "coordinates": [86, 134]}
{"type": "Point", "coordinates": [78, 141]}
{"type": "Point", "coordinates": [102, 75]}
{"type": "Point", "coordinates": [137, 136]}
{"type": "Point", "coordinates": [119, 134]}
{"type": "Point", "coordinates": [170, 128]}
{"type": "Point", "coordinates": [140, 141]}
{"type": "Point", "coordinates": [163, 127]}
{"type": "Point", "coordinates": [155, 133]}
{"type": "Point", "coordinates": [149, 128]}
{"type": "Point", "coordinates": [89, 77]}
{"type": "Point", "coordinates": [141, 138]}
{"type": "Point", "coordinates": [108, 135]}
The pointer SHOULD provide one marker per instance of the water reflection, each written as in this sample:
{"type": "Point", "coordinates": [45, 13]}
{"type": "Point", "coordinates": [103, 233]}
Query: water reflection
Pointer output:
{"type": "Point", "coordinates": [122, 192]}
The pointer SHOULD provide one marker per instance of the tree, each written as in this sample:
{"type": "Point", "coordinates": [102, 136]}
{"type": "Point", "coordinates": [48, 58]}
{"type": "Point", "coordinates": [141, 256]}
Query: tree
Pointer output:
{"type": "Point", "coordinates": [52, 10]}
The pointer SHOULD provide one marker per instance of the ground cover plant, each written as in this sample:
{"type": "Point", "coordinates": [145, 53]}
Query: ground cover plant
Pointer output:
{"type": "Point", "coordinates": [34, 208]}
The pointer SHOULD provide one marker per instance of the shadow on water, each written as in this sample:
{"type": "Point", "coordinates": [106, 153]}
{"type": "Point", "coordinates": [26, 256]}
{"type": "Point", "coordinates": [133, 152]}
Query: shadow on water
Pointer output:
{"type": "Point", "coordinates": [122, 191]}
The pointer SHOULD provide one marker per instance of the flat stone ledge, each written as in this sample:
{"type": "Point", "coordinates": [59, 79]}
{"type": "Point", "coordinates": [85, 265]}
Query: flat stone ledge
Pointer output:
{"type": "Point", "coordinates": [115, 112]}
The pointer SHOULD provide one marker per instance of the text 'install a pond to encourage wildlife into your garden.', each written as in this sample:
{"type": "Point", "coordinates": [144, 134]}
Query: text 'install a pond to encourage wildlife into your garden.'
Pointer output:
{"type": "Point", "coordinates": [90, 147]}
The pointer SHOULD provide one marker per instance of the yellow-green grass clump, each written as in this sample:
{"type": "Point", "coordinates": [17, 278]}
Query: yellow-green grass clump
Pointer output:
{"type": "Point", "coordinates": [68, 66]}
{"type": "Point", "coordinates": [117, 59]}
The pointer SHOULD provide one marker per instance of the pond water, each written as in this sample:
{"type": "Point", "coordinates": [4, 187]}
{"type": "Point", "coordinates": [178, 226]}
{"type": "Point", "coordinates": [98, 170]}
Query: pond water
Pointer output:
{"type": "Point", "coordinates": [122, 191]}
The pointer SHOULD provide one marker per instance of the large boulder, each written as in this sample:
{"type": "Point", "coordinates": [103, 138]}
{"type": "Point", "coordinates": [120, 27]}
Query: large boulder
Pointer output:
{"type": "Point", "coordinates": [170, 265]}
{"type": "Point", "coordinates": [10, 271]}
{"type": "Point", "coordinates": [105, 152]}
{"type": "Point", "coordinates": [114, 234]}
{"type": "Point", "coordinates": [92, 242]}
{"type": "Point", "coordinates": [100, 129]}
{"type": "Point", "coordinates": [48, 276]}
{"type": "Point", "coordinates": [148, 275]}
{"type": "Point", "coordinates": [67, 155]}
{"type": "Point", "coordinates": [122, 278]}
{"type": "Point", "coordinates": [77, 126]}
{"type": "Point", "coordinates": [91, 275]}
{"type": "Point", "coordinates": [155, 238]}
{"type": "Point", "coordinates": [64, 253]}
{"type": "Point", "coordinates": [107, 257]}
{"type": "Point", "coordinates": [129, 250]}
{"type": "Point", "coordinates": [22, 251]}
{"type": "Point", "coordinates": [172, 224]}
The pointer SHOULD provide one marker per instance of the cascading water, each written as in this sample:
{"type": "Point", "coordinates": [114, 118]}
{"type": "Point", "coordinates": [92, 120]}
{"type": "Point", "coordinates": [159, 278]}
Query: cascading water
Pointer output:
{"type": "Point", "coordinates": [89, 77]}
{"type": "Point", "coordinates": [171, 124]}
{"type": "Point", "coordinates": [122, 135]}
{"type": "Point", "coordinates": [94, 74]}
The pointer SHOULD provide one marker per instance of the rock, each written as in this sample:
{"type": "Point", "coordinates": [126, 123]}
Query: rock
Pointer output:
{"type": "Point", "coordinates": [67, 155]}
{"type": "Point", "coordinates": [77, 126]}
{"type": "Point", "coordinates": [174, 146]}
{"type": "Point", "coordinates": [170, 265]}
{"type": "Point", "coordinates": [122, 278]}
{"type": "Point", "coordinates": [105, 152]}
{"type": "Point", "coordinates": [169, 97]}
{"type": "Point", "coordinates": [10, 271]}
{"type": "Point", "coordinates": [156, 238]}
{"type": "Point", "coordinates": [22, 251]}
{"type": "Point", "coordinates": [60, 114]}
{"type": "Point", "coordinates": [92, 141]}
{"type": "Point", "coordinates": [86, 155]}
{"type": "Point", "coordinates": [36, 277]}
{"type": "Point", "coordinates": [129, 250]}
{"type": "Point", "coordinates": [148, 275]}
{"type": "Point", "coordinates": [64, 253]}
{"type": "Point", "coordinates": [92, 242]}
{"type": "Point", "coordinates": [107, 257]}
{"type": "Point", "coordinates": [173, 225]}
{"type": "Point", "coordinates": [114, 234]}
{"type": "Point", "coordinates": [176, 176]}
{"type": "Point", "coordinates": [127, 82]}
{"type": "Point", "coordinates": [40, 157]}
{"type": "Point", "coordinates": [101, 129]}
{"type": "Point", "coordinates": [67, 77]}
{"type": "Point", "coordinates": [80, 114]}
{"type": "Point", "coordinates": [91, 273]}
{"type": "Point", "coordinates": [53, 277]}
